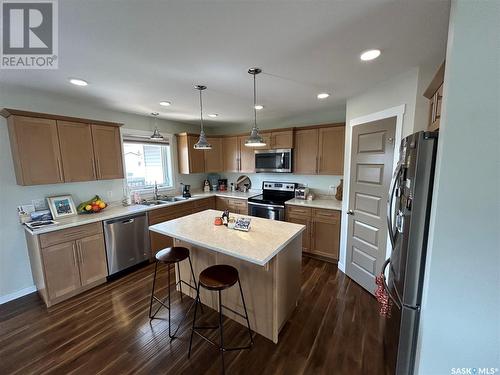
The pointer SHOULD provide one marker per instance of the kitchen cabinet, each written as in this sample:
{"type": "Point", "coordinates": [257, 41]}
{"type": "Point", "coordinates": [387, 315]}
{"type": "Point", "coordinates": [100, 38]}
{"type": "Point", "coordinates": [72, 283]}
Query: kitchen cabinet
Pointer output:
{"type": "Point", "coordinates": [322, 234]}
{"type": "Point", "coordinates": [303, 219]}
{"type": "Point", "coordinates": [190, 159]}
{"type": "Point", "coordinates": [234, 205]}
{"type": "Point", "coordinates": [61, 269]}
{"type": "Point", "coordinates": [77, 151]}
{"type": "Point", "coordinates": [213, 157]}
{"type": "Point", "coordinates": [49, 149]}
{"type": "Point", "coordinates": [435, 95]}
{"type": "Point", "coordinates": [331, 150]}
{"type": "Point", "coordinates": [159, 215]}
{"type": "Point", "coordinates": [67, 261]}
{"type": "Point", "coordinates": [277, 139]}
{"type": "Point", "coordinates": [319, 150]}
{"type": "Point", "coordinates": [230, 154]}
{"type": "Point", "coordinates": [306, 151]}
{"type": "Point", "coordinates": [282, 139]}
{"type": "Point", "coordinates": [35, 150]}
{"type": "Point", "coordinates": [92, 258]}
{"type": "Point", "coordinates": [325, 233]}
{"type": "Point", "coordinates": [107, 152]}
{"type": "Point", "coordinates": [247, 156]}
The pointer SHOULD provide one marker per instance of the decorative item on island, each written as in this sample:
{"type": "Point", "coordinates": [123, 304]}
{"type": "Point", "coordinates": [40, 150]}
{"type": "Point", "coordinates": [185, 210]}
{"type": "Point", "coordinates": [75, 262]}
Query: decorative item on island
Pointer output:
{"type": "Point", "coordinates": [91, 206]}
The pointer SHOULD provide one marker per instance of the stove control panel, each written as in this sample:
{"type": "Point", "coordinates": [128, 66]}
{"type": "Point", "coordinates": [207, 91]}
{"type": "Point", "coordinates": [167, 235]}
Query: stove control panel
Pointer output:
{"type": "Point", "coordinates": [280, 186]}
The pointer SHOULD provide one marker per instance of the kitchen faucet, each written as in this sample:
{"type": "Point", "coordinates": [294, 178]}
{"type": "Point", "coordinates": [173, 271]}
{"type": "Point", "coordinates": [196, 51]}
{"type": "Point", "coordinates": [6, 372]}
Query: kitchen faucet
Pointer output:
{"type": "Point", "coordinates": [155, 194]}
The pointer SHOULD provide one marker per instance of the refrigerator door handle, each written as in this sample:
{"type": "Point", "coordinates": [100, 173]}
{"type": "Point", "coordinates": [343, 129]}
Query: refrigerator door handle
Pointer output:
{"type": "Point", "coordinates": [386, 287]}
{"type": "Point", "coordinates": [395, 178]}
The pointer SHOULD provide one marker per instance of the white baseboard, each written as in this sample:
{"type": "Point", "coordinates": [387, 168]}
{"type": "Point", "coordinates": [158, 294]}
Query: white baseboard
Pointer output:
{"type": "Point", "coordinates": [18, 294]}
{"type": "Point", "coordinates": [341, 266]}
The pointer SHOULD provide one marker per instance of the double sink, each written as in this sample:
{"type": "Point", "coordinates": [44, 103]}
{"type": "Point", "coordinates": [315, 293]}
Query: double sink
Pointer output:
{"type": "Point", "coordinates": [162, 200]}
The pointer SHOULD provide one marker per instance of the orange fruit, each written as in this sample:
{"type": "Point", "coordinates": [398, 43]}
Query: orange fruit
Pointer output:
{"type": "Point", "coordinates": [102, 205]}
{"type": "Point", "coordinates": [88, 207]}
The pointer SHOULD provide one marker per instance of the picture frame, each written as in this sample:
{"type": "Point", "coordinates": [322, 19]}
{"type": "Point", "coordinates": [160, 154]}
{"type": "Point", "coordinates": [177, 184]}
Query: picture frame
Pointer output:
{"type": "Point", "coordinates": [61, 206]}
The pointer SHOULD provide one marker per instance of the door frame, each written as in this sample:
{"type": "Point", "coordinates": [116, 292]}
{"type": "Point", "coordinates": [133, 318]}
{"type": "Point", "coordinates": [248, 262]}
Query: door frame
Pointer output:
{"type": "Point", "coordinates": [397, 112]}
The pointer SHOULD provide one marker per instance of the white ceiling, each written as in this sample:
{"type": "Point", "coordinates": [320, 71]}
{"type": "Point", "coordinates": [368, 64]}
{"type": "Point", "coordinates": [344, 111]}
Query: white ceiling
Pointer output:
{"type": "Point", "coordinates": [137, 53]}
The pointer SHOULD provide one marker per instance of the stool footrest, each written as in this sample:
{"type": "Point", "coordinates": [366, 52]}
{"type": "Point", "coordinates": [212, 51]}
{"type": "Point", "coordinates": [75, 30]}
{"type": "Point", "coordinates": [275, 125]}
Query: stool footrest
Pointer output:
{"type": "Point", "coordinates": [217, 345]}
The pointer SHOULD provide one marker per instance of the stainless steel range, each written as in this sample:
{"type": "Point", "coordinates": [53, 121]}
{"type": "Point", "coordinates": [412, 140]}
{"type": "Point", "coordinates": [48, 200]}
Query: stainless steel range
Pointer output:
{"type": "Point", "coordinates": [271, 203]}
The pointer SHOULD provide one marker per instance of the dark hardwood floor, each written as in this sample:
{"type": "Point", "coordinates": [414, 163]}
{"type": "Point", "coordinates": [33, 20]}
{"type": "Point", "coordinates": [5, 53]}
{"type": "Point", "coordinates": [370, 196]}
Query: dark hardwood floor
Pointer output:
{"type": "Point", "coordinates": [335, 329]}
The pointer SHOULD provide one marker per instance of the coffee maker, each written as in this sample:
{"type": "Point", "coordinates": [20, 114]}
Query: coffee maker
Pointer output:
{"type": "Point", "coordinates": [185, 191]}
{"type": "Point", "coordinates": [223, 184]}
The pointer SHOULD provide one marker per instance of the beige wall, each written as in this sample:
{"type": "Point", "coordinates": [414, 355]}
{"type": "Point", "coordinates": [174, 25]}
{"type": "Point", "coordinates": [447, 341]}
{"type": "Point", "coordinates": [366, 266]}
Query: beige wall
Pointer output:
{"type": "Point", "coordinates": [15, 271]}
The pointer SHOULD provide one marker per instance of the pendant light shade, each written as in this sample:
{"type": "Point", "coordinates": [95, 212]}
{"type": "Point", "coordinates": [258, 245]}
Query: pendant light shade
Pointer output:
{"type": "Point", "coordinates": [202, 143]}
{"type": "Point", "coordinates": [156, 136]}
{"type": "Point", "coordinates": [255, 140]}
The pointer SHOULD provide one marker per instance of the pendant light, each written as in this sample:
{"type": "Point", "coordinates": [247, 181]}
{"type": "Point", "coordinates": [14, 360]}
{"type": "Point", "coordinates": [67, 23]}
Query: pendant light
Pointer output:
{"type": "Point", "coordinates": [156, 136]}
{"type": "Point", "coordinates": [255, 140]}
{"type": "Point", "coordinates": [202, 143]}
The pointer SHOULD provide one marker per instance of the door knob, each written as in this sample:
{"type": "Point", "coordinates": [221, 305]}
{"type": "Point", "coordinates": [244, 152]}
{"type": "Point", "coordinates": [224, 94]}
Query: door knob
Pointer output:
{"type": "Point", "coordinates": [350, 212]}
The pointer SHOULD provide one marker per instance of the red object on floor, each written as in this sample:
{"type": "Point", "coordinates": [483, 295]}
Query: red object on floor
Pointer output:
{"type": "Point", "coordinates": [382, 297]}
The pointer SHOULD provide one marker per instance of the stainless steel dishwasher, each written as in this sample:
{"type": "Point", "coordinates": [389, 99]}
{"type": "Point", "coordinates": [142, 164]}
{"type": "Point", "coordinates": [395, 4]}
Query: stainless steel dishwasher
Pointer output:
{"type": "Point", "coordinates": [127, 241]}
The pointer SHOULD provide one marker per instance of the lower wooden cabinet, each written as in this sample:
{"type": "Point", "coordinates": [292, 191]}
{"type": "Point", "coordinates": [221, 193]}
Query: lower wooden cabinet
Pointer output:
{"type": "Point", "coordinates": [322, 235]}
{"type": "Point", "coordinates": [159, 241]}
{"type": "Point", "coordinates": [92, 258]}
{"type": "Point", "coordinates": [68, 261]}
{"type": "Point", "coordinates": [234, 205]}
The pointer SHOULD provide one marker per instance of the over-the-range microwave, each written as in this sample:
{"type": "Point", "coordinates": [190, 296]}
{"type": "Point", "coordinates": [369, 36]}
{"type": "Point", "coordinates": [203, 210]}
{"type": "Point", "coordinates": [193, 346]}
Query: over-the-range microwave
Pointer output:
{"type": "Point", "coordinates": [273, 161]}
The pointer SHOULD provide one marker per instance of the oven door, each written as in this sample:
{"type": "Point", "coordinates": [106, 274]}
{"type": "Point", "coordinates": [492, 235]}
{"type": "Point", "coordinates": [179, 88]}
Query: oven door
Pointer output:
{"type": "Point", "coordinates": [266, 211]}
{"type": "Point", "coordinates": [273, 161]}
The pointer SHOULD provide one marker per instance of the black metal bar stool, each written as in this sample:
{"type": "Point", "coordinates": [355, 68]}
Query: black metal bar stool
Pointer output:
{"type": "Point", "coordinates": [219, 278]}
{"type": "Point", "coordinates": [171, 256]}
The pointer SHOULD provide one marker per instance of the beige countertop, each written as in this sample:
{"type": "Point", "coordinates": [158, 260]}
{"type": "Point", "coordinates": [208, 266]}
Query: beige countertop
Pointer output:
{"type": "Point", "coordinates": [329, 204]}
{"type": "Point", "coordinates": [261, 243]}
{"type": "Point", "coordinates": [117, 210]}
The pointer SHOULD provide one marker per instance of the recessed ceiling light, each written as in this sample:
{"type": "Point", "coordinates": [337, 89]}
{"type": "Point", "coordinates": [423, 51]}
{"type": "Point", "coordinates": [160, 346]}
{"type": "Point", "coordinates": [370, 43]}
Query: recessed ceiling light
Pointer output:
{"type": "Point", "coordinates": [258, 107]}
{"type": "Point", "coordinates": [213, 115]}
{"type": "Point", "coordinates": [323, 95]}
{"type": "Point", "coordinates": [165, 103]}
{"type": "Point", "coordinates": [78, 82]}
{"type": "Point", "coordinates": [370, 54]}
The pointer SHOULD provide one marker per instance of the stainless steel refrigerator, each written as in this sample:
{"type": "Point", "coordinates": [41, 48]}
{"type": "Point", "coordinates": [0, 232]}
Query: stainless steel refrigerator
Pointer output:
{"type": "Point", "coordinates": [408, 213]}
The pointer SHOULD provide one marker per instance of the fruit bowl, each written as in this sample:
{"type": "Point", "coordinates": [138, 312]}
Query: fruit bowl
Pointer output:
{"type": "Point", "coordinates": [92, 206]}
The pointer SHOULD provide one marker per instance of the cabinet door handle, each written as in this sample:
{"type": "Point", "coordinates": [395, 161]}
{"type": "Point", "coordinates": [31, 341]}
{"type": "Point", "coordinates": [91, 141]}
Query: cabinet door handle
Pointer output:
{"type": "Point", "coordinates": [98, 168]}
{"type": "Point", "coordinates": [59, 169]}
{"type": "Point", "coordinates": [74, 254]}
{"type": "Point", "coordinates": [80, 253]}
{"type": "Point", "coordinates": [317, 164]}
{"type": "Point", "coordinates": [93, 168]}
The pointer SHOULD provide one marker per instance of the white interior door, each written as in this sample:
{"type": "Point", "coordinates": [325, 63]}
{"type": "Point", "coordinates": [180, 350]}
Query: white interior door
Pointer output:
{"type": "Point", "coordinates": [372, 155]}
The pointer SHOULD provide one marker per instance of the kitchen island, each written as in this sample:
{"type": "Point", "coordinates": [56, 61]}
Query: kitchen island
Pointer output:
{"type": "Point", "coordinates": [268, 259]}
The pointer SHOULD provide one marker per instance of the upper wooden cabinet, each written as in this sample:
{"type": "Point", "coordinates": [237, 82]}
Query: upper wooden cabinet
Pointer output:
{"type": "Point", "coordinates": [49, 149]}
{"type": "Point", "coordinates": [277, 139]}
{"type": "Point", "coordinates": [247, 156]}
{"type": "Point", "coordinates": [331, 150]}
{"type": "Point", "coordinates": [77, 151]}
{"type": "Point", "coordinates": [230, 154]}
{"type": "Point", "coordinates": [107, 152]}
{"type": "Point", "coordinates": [282, 139]}
{"type": "Point", "coordinates": [213, 157]}
{"type": "Point", "coordinates": [306, 151]}
{"type": "Point", "coordinates": [190, 160]}
{"type": "Point", "coordinates": [435, 95]}
{"type": "Point", "coordinates": [320, 150]}
{"type": "Point", "coordinates": [35, 150]}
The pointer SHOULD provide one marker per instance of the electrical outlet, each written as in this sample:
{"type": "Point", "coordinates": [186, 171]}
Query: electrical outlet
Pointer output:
{"type": "Point", "coordinates": [110, 195]}
{"type": "Point", "coordinates": [40, 204]}
{"type": "Point", "coordinates": [332, 187]}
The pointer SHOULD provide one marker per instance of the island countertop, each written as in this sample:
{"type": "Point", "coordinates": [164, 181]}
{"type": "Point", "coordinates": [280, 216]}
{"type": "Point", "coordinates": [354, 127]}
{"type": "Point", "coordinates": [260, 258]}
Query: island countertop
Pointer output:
{"type": "Point", "coordinates": [261, 243]}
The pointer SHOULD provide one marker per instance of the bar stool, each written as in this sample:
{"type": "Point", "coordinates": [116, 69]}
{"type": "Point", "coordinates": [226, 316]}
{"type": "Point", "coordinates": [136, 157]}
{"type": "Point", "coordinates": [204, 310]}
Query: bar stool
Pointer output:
{"type": "Point", "coordinates": [218, 278]}
{"type": "Point", "coordinates": [172, 256]}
